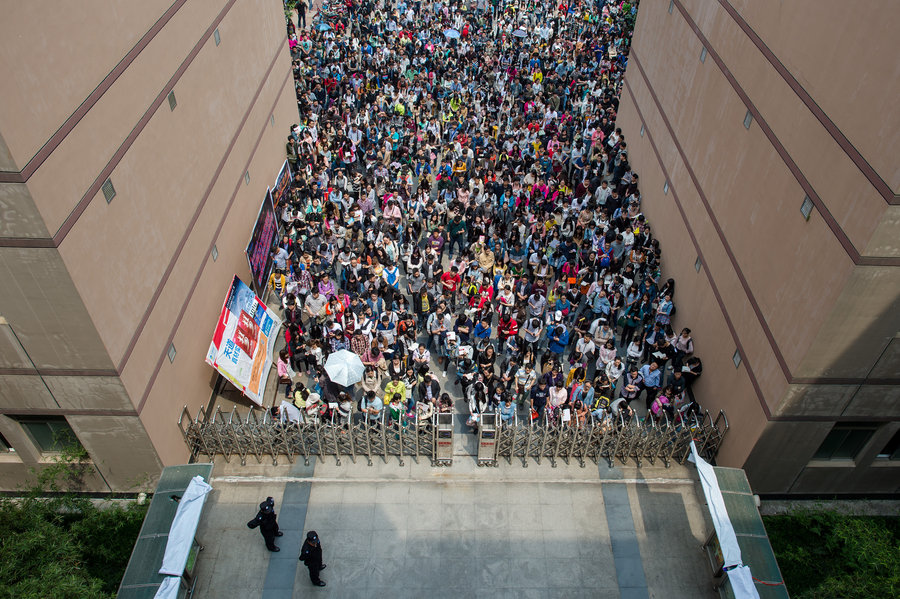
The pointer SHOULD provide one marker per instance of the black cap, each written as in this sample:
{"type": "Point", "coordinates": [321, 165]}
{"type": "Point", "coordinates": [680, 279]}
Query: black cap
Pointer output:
{"type": "Point", "coordinates": [312, 536]}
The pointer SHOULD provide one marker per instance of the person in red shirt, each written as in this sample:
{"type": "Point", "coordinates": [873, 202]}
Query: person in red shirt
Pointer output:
{"type": "Point", "coordinates": [449, 283]}
{"type": "Point", "coordinates": [506, 328]}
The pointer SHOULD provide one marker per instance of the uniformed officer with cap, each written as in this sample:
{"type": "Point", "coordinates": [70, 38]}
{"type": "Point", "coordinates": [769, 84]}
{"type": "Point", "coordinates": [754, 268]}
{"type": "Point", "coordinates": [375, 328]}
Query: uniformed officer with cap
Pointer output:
{"type": "Point", "coordinates": [311, 555]}
{"type": "Point", "coordinates": [268, 526]}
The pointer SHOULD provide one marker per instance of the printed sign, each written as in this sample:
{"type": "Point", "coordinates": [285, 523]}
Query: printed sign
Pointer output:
{"type": "Point", "coordinates": [259, 250]}
{"type": "Point", "coordinates": [282, 186]}
{"type": "Point", "coordinates": [244, 340]}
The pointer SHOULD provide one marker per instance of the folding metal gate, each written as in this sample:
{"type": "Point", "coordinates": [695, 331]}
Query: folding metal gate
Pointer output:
{"type": "Point", "coordinates": [256, 434]}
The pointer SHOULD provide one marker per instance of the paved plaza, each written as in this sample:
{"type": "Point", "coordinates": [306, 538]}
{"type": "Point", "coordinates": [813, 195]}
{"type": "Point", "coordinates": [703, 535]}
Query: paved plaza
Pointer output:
{"type": "Point", "coordinates": [417, 531]}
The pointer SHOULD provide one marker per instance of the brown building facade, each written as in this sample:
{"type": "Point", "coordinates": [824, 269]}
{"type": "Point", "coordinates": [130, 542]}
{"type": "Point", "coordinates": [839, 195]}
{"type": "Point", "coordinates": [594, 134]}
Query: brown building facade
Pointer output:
{"type": "Point", "coordinates": [136, 144]}
{"type": "Point", "coordinates": [766, 136]}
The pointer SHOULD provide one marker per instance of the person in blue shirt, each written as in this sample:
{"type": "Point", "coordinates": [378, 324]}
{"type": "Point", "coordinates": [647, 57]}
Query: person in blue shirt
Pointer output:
{"type": "Point", "coordinates": [482, 332]}
{"type": "Point", "coordinates": [651, 375]}
{"type": "Point", "coordinates": [507, 410]}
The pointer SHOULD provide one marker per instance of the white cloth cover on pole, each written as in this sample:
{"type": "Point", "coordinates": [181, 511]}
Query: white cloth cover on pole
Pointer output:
{"type": "Point", "coordinates": [731, 551]}
{"type": "Point", "coordinates": [289, 412]}
{"type": "Point", "coordinates": [169, 588]}
{"type": "Point", "coordinates": [184, 527]}
{"type": "Point", "coordinates": [742, 583]}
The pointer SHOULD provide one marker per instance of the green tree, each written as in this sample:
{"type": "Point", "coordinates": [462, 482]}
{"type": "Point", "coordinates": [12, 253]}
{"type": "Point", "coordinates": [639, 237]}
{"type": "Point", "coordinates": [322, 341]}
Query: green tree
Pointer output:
{"type": "Point", "coordinates": [56, 544]}
{"type": "Point", "coordinates": [825, 555]}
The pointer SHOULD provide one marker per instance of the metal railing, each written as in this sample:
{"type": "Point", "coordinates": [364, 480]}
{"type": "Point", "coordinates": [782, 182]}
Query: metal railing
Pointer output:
{"type": "Point", "coordinates": [257, 434]}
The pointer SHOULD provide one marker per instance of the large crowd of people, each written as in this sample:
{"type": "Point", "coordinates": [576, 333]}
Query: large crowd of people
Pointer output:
{"type": "Point", "coordinates": [464, 217]}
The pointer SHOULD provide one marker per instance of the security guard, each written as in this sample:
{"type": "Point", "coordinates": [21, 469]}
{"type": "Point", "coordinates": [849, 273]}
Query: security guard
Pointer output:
{"type": "Point", "coordinates": [311, 555]}
{"type": "Point", "coordinates": [268, 526]}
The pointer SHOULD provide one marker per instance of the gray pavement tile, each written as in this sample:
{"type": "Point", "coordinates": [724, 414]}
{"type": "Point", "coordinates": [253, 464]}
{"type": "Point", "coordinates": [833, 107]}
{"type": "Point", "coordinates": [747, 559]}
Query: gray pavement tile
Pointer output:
{"type": "Point", "coordinates": [389, 544]}
{"type": "Point", "coordinates": [523, 493]}
{"type": "Point", "coordinates": [425, 495]}
{"type": "Point", "coordinates": [598, 574]}
{"type": "Point", "coordinates": [607, 472]}
{"type": "Point", "coordinates": [493, 572]}
{"type": "Point", "coordinates": [491, 516]}
{"type": "Point", "coordinates": [292, 516]}
{"type": "Point", "coordinates": [630, 572]}
{"type": "Point", "coordinates": [346, 576]}
{"type": "Point", "coordinates": [457, 517]}
{"type": "Point", "coordinates": [359, 493]}
{"type": "Point", "coordinates": [392, 493]}
{"type": "Point", "coordinates": [423, 572]}
{"type": "Point", "coordinates": [491, 542]}
{"type": "Point", "coordinates": [615, 494]}
{"type": "Point", "coordinates": [595, 549]}
{"type": "Point", "coordinates": [618, 517]}
{"type": "Point", "coordinates": [423, 517]}
{"type": "Point", "coordinates": [526, 517]}
{"type": "Point", "coordinates": [554, 494]}
{"type": "Point", "coordinates": [281, 574]}
{"type": "Point", "coordinates": [353, 517]}
{"type": "Point", "coordinates": [390, 517]}
{"type": "Point", "coordinates": [558, 518]}
{"type": "Point", "coordinates": [327, 493]}
{"type": "Point", "coordinates": [454, 543]}
{"type": "Point", "coordinates": [348, 544]}
{"type": "Point", "coordinates": [528, 573]}
{"type": "Point", "coordinates": [296, 492]}
{"type": "Point", "coordinates": [422, 542]}
{"type": "Point", "coordinates": [386, 572]}
{"type": "Point", "coordinates": [453, 573]}
{"type": "Point", "coordinates": [624, 545]}
{"type": "Point", "coordinates": [289, 544]}
{"type": "Point", "coordinates": [563, 573]}
{"type": "Point", "coordinates": [525, 544]}
{"type": "Point", "coordinates": [634, 593]}
{"type": "Point", "coordinates": [560, 543]}
{"type": "Point", "coordinates": [458, 494]}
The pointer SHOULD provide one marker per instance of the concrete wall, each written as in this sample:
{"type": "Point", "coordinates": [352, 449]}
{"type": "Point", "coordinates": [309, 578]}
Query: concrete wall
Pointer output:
{"type": "Point", "coordinates": [812, 305]}
{"type": "Point", "coordinates": [100, 290]}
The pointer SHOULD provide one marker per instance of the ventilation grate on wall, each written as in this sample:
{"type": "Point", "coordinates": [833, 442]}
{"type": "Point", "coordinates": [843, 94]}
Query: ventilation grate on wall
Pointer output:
{"type": "Point", "coordinates": [109, 192]}
{"type": "Point", "coordinates": [806, 207]}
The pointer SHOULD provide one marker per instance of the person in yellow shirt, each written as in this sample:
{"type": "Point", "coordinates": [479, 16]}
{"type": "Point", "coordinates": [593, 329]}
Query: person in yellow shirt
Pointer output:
{"type": "Point", "coordinates": [395, 388]}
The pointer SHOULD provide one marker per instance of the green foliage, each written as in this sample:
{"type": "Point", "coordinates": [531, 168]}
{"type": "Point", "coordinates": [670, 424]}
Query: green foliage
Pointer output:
{"type": "Point", "coordinates": [63, 546]}
{"type": "Point", "coordinates": [824, 555]}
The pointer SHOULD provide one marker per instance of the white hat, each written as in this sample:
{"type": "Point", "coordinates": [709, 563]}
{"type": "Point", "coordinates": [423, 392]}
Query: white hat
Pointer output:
{"type": "Point", "coordinates": [559, 315]}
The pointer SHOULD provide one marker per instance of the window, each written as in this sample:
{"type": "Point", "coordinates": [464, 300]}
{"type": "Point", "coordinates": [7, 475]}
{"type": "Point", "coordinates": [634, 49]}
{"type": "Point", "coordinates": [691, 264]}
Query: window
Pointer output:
{"type": "Point", "coordinates": [642, 131]}
{"type": "Point", "coordinates": [247, 178]}
{"type": "Point", "coordinates": [698, 264]}
{"type": "Point", "coordinates": [272, 120]}
{"type": "Point", "coordinates": [736, 358]}
{"type": "Point", "coordinates": [703, 54]}
{"type": "Point", "coordinates": [806, 207]}
{"type": "Point", "coordinates": [844, 441]}
{"type": "Point", "coordinates": [5, 446]}
{"type": "Point", "coordinates": [748, 119]}
{"type": "Point", "coordinates": [666, 188]}
{"type": "Point", "coordinates": [215, 253]}
{"type": "Point", "coordinates": [109, 192]}
{"type": "Point", "coordinates": [172, 102]}
{"type": "Point", "coordinates": [171, 353]}
{"type": "Point", "coordinates": [49, 433]}
{"type": "Point", "coordinates": [891, 451]}
{"type": "Point", "coordinates": [671, 5]}
{"type": "Point", "coordinates": [216, 36]}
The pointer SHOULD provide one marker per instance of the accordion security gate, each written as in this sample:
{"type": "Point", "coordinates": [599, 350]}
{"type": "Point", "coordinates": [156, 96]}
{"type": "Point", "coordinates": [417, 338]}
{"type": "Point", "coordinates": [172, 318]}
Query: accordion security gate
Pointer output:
{"type": "Point", "coordinates": [256, 434]}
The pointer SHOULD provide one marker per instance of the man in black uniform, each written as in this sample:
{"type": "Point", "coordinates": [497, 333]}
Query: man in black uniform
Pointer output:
{"type": "Point", "coordinates": [311, 555]}
{"type": "Point", "coordinates": [268, 526]}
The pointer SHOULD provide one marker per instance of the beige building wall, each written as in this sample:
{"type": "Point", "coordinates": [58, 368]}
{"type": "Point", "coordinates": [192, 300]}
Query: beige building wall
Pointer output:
{"type": "Point", "coordinates": [735, 113]}
{"type": "Point", "coordinates": [100, 291]}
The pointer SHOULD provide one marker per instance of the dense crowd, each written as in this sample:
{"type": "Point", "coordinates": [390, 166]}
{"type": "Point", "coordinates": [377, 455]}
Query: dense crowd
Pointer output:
{"type": "Point", "coordinates": [464, 217]}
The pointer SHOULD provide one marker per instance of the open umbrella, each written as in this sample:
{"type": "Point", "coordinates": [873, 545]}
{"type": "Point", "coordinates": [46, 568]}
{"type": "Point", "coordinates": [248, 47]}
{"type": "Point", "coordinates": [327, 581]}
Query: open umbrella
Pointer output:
{"type": "Point", "coordinates": [452, 34]}
{"type": "Point", "coordinates": [344, 368]}
{"type": "Point", "coordinates": [323, 27]}
{"type": "Point", "coordinates": [520, 32]}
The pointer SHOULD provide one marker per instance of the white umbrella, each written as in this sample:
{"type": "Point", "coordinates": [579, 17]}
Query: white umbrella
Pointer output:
{"type": "Point", "coordinates": [344, 368]}
{"type": "Point", "coordinates": [520, 32]}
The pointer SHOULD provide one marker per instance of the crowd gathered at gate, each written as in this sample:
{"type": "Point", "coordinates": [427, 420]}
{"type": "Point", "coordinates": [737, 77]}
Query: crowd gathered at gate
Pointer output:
{"type": "Point", "coordinates": [464, 217]}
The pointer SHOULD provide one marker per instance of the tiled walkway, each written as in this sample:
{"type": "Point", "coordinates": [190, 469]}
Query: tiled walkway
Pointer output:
{"type": "Point", "coordinates": [414, 531]}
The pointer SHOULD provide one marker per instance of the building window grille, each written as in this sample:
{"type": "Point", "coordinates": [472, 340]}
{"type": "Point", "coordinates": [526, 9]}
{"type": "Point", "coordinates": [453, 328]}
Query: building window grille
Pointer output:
{"type": "Point", "coordinates": [748, 119]}
{"type": "Point", "coordinates": [736, 358]}
{"type": "Point", "coordinates": [215, 253]}
{"type": "Point", "coordinates": [217, 37]}
{"type": "Point", "coordinates": [703, 54]}
{"type": "Point", "coordinates": [642, 131]}
{"type": "Point", "coordinates": [247, 178]}
{"type": "Point", "coordinates": [666, 188]}
{"type": "Point", "coordinates": [671, 5]}
{"type": "Point", "coordinates": [49, 433]}
{"type": "Point", "coordinates": [171, 353]}
{"type": "Point", "coordinates": [845, 441]}
{"type": "Point", "coordinates": [172, 102]}
{"type": "Point", "coordinates": [697, 264]}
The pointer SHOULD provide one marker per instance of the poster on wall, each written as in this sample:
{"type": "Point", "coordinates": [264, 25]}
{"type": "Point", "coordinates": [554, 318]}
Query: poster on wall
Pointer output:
{"type": "Point", "coordinates": [244, 340]}
{"type": "Point", "coordinates": [282, 186]}
{"type": "Point", "coordinates": [259, 250]}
